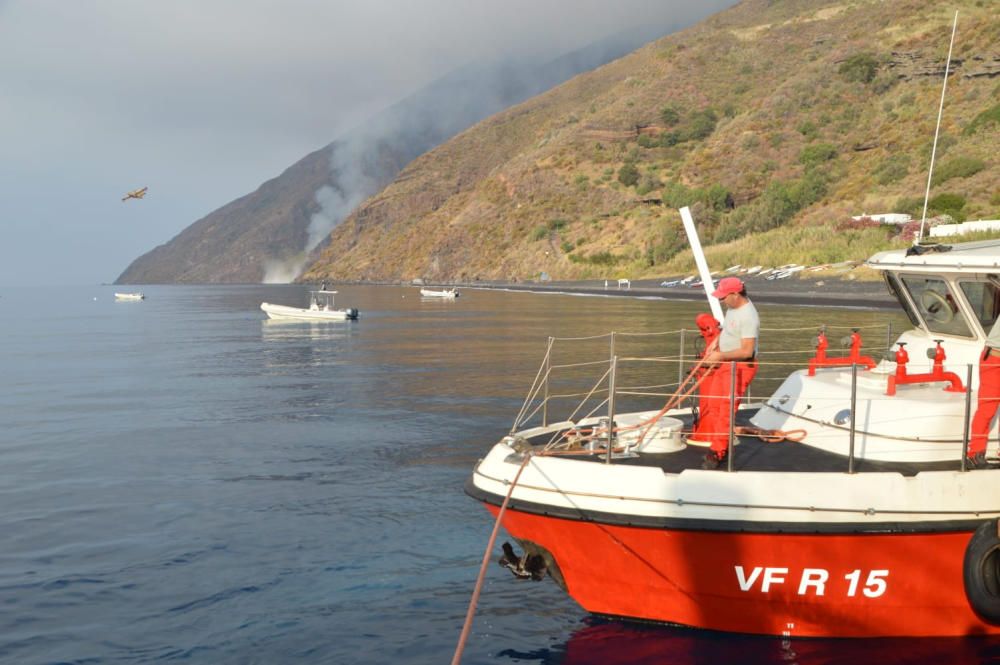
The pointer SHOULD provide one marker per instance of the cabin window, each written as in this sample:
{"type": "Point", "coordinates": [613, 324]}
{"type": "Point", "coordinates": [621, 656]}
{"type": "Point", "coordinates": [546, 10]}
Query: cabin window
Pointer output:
{"type": "Point", "coordinates": [897, 292]}
{"type": "Point", "coordinates": [937, 306]}
{"type": "Point", "coordinates": [984, 297]}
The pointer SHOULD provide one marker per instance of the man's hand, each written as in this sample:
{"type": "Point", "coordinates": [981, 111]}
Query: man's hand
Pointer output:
{"type": "Point", "coordinates": [745, 352]}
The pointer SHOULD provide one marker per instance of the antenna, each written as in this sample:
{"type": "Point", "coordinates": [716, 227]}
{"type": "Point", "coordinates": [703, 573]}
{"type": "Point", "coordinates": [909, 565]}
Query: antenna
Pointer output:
{"type": "Point", "coordinates": [937, 130]}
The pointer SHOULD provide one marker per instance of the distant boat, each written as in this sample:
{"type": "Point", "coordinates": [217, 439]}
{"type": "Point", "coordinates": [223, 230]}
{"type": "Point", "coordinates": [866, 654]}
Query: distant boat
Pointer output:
{"type": "Point", "coordinates": [130, 296]}
{"type": "Point", "coordinates": [445, 293]}
{"type": "Point", "coordinates": [321, 308]}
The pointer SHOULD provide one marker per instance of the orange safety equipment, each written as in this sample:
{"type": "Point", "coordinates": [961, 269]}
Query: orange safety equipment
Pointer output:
{"type": "Point", "coordinates": [714, 425]}
{"type": "Point", "coordinates": [988, 401]}
{"type": "Point", "coordinates": [709, 329]}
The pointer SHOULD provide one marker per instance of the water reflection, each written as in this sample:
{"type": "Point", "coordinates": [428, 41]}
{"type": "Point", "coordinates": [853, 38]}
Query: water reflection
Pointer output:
{"type": "Point", "coordinates": [299, 345]}
{"type": "Point", "coordinates": [280, 330]}
{"type": "Point", "coordinates": [432, 299]}
{"type": "Point", "coordinates": [606, 642]}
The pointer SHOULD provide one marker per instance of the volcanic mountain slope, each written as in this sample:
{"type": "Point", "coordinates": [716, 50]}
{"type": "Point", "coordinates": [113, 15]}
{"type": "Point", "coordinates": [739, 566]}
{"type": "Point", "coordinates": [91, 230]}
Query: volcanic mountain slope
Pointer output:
{"type": "Point", "coordinates": [775, 121]}
{"type": "Point", "coordinates": [268, 234]}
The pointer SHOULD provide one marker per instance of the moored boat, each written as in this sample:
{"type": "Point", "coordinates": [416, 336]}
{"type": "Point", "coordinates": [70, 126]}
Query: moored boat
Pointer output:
{"type": "Point", "coordinates": [321, 308]}
{"type": "Point", "coordinates": [130, 296]}
{"type": "Point", "coordinates": [870, 525]}
{"type": "Point", "coordinates": [439, 293]}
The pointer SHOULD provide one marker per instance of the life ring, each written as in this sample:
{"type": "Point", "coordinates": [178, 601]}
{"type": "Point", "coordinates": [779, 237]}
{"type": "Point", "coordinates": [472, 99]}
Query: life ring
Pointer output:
{"type": "Point", "coordinates": [981, 572]}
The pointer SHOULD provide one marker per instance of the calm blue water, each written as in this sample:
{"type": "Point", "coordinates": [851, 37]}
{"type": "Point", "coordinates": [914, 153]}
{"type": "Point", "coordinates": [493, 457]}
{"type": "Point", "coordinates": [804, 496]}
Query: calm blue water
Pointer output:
{"type": "Point", "coordinates": [182, 480]}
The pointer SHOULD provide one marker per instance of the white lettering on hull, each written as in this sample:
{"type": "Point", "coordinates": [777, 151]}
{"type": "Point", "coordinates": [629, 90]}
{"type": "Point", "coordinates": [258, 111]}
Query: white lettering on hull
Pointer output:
{"type": "Point", "coordinates": [811, 581]}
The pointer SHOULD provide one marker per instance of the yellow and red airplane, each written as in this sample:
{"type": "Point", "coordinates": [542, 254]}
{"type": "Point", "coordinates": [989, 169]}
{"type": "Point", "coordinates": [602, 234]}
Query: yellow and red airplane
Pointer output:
{"type": "Point", "coordinates": [135, 194]}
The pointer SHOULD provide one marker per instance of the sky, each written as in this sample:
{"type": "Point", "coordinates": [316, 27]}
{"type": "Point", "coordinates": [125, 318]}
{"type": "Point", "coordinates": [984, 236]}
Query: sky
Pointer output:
{"type": "Point", "coordinates": [204, 100]}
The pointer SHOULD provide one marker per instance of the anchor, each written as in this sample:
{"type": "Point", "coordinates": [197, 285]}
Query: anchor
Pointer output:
{"type": "Point", "coordinates": [529, 566]}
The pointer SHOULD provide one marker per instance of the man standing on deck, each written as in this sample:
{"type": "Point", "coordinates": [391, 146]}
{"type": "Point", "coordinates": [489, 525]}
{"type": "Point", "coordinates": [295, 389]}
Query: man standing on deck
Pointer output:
{"type": "Point", "coordinates": [737, 344]}
{"type": "Point", "coordinates": [988, 399]}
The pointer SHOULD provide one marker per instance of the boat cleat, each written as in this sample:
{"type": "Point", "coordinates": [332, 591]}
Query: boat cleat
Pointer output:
{"type": "Point", "coordinates": [516, 443]}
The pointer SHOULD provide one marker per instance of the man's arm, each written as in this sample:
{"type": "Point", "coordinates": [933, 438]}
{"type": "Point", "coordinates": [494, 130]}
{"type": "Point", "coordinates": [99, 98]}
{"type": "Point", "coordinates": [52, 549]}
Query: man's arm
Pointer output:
{"type": "Point", "coordinates": [745, 352]}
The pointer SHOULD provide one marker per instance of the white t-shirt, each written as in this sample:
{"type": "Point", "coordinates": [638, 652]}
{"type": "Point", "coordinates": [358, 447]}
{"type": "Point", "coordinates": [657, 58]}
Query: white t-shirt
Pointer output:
{"type": "Point", "coordinates": [740, 323]}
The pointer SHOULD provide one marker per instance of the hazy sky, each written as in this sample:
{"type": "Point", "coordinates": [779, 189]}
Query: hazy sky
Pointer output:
{"type": "Point", "coordinates": [203, 100]}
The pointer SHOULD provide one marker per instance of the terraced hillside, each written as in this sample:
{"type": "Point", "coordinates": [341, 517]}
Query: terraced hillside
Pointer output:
{"type": "Point", "coordinates": [776, 121]}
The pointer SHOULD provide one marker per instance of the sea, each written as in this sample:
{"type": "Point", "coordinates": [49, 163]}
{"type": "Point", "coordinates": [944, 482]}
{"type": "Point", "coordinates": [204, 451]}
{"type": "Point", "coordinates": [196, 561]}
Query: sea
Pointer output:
{"type": "Point", "coordinates": [184, 480]}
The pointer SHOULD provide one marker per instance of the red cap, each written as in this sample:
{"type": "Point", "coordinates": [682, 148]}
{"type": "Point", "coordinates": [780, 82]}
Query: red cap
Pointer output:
{"type": "Point", "coordinates": [727, 286]}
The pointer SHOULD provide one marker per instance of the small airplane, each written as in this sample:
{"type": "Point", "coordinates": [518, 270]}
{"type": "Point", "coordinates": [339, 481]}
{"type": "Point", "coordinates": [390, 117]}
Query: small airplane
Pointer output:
{"type": "Point", "coordinates": [135, 194]}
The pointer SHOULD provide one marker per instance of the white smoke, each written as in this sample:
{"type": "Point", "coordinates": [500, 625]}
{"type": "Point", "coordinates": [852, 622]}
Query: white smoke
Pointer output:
{"type": "Point", "coordinates": [352, 185]}
{"type": "Point", "coordinates": [368, 156]}
{"type": "Point", "coordinates": [283, 271]}
{"type": "Point", "coordinates": [335, 205]}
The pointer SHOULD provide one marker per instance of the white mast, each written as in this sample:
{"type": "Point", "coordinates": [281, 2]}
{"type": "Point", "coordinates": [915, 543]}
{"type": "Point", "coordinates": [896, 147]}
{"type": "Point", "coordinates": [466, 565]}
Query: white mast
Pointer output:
{"type": "Point", "coordinates": [699, 259]}
{"type": "Point", "coordinates": [930, 171]}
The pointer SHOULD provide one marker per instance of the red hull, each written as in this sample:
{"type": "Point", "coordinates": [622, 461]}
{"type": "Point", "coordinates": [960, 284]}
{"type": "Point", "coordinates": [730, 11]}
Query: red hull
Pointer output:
{"type": "Point", "coordinates": [829, 585]}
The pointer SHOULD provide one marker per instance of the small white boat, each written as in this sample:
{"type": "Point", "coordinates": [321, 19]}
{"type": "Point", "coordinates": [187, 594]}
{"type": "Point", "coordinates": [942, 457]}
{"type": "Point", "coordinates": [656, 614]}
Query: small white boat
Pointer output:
{"type": "Point", "coordinates": [130, 296]}
{"type": "Point", "coordinates": [444, 293]}
{"type": "Point", "coordinates": [321, 308]}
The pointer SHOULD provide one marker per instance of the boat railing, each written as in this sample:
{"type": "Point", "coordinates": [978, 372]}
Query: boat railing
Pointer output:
{"type": "Point", "coordinates": [577, 387]}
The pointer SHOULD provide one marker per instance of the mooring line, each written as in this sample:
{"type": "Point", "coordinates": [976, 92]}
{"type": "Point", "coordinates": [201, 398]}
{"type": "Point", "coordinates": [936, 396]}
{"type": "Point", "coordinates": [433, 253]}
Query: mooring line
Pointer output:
{"type": "Point", "coordinates": [457, 658]}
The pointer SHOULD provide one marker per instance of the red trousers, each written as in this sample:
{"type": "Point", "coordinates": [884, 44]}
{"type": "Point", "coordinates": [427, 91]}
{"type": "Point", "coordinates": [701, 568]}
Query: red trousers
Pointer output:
{"type": "Point", "coordinates": [713, 406]}
{"type": "Point", "coordinates": [988, 402]}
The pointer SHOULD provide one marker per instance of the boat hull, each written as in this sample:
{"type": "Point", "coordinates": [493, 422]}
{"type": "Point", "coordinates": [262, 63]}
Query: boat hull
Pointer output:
{"type": "Point", "coordinates": [283, 312]}
{"type": "Point", "coordinates": [809, 585]}
{"type": "Point", "coordinates": [429, 293]}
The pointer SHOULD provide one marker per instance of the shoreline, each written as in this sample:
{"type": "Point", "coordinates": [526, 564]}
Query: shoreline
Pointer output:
{"type": "Point", "coordinates": [836, 292]}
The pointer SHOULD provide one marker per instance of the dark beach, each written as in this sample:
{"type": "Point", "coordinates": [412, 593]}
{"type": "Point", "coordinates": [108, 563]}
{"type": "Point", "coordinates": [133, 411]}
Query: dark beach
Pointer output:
{"type": "Point", "coordinates": [823, 292]}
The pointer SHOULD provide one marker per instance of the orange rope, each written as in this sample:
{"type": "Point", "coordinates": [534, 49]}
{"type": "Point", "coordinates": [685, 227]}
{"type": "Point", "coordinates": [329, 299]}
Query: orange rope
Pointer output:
{"type": "Point", "coordinates": [677, 396]}
{"type": "Point", "coordinates": [772, 435]}
{"type": "Point", "coordinates": [457, 658]}
{"type": "Point", "coordinates": [588, 432]}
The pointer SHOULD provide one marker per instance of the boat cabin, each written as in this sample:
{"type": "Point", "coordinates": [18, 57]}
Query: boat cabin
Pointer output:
{"type": "Point", "coordinates": [911, 405]}
{"type": "Point", "coordinates": [948, 292]}
{"type": "Point", "coordinates": [321, 301]}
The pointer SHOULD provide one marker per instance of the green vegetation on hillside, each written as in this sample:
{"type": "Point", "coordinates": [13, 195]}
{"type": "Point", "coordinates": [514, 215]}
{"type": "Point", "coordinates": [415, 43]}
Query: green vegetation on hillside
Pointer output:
{"type": "Point", "coordinates": [775, 122]}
